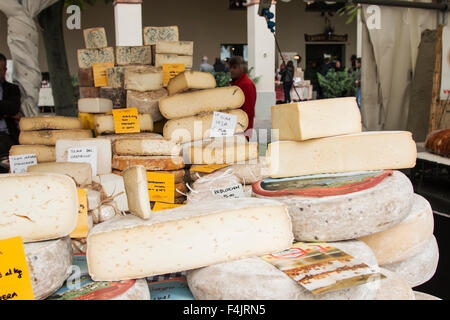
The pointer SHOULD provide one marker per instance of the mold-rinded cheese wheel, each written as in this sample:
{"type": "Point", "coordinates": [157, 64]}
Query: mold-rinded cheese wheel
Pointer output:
{"type": "Point", "coordinates": [354, 152]}
{"type": "Point", "coordinates": [49, 265]}
{"type": "Point", "coordinates": [37, 206]}
{"type": "Point", "coordinates": [50, 137]}
{"type": "Point", "coordinates": [152, 163]}
{"type": "Point", "coordinates": [399, 242]}
{"type": "Point", "coordinates": [104, 123]}
{"type": "Point", "coordinates": [86, 77]}
{"type": "Point", "coordinates": [147, 102]}
{"type": "Point", "coordinates": [89, 92]}
{"type": "Point", "coordinates": [222, 152]}
{"type": "Point", "coordinates": [256, 279]}
{"type": "Point", "coordinates": [316, 118]}
{"type": "Point", "coordinates": [353, 215]}
{"type": "Point", "coordinates": [189, 80]}
{"type": "Point", "coordinates": [143, 79]}
{"type": "Point", "coordinates": [424, 296]}
{"type": "Point", "coordinates": [199, 127]}
{"type": "Point", "coordinates": [146, 147]}
{"type": "Point", "coordinates": [95, 105]}
{"type": "Point", "coordinates": [80, 172]}
{"type": "Point", "coordinates": [184, 48]}
{"type": "Point", "coordinates": [95, 38]}
{"type": "Point", "coordinates": [87, 57]}
{"type": "Point", "coordinates": [103, 146]}
{"type": "Point", "coordinates": [136, 187]}
{"type": "Point", "coordinates": [419, 268]}
{"type": "Point", "coordinates": [162, 58]}
{"type": "Point", "coordinates": [179, 175]}
{"type": "Point", "coordinates": [393, 287]}
{"type": "Point", "coordinates": [153, 34]}
{"type": "Point", "coordinates": [133, 55]}
{"type": "Point", "coordinates": [208, 100]}
{"type": "Point", "coordinates": [43, 153]}
{"type": "Point", "coordinates": [114, 187]}
{"type": "Point", "coordinates": [205, 234]}
{"type": "Point", "coordinates": [49, 123]}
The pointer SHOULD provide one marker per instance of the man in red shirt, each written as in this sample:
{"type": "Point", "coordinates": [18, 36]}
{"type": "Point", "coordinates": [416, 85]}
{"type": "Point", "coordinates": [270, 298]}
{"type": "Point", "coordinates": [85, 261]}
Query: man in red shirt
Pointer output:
{"type": "Point", "coordinates": [239, 77]}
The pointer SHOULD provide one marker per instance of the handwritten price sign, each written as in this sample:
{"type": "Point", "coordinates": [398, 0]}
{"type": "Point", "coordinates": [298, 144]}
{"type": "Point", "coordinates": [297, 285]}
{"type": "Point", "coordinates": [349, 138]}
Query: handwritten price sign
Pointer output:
{"type": "Point", "coordinates": [170, 71]}
{"type": "Point", "coordinates": [126, 120]}
{"type": "Point", "coordinates": [223, 124]}
{"type": "Point", "coordinates": [161, 186]}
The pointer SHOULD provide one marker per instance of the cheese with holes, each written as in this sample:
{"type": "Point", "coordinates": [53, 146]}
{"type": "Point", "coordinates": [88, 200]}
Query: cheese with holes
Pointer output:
{"type": "Point", "coordinates": [37, 206]}
{"type": "Point", "coordinates": [43, 153]}
{"type": "Point", "coordinates": [114, 187]}
{"type": "Point", "coordinates": [196, 102]}
{"type": "Point", "coordinates": [152, 163]}
{"type": "Point", "coordinates": [191, 80]}
{"type": "Point", "coordinates": [80, 172]}
{"type": "Point", "coordinates": [89, 92]}
{"type": "Point", "coordinates": [87, 57]}
{"type": "Point", "coordinates": [146, 102]}
{"type": "Point", "coordinates": [222, 152]}
{"type": "Point", "coordinates": [154, 34]}
{"type": "Point", "coordinates": [117, 136]}
{"type": "Point", "coordinates": [143, 79]}
{"type": "Point", "coordinates": [103, 146]}
{"type": "Point", "coordinates": [136, 187]}
{"type": "Point", "coordinates": [86, 77]}
{"type": "Point", "coordinates": [401, 240]}
{"type": "Point", "coordinates": [316, 118]}
{"type": "Point", "coordinates": [104, 123]}
{"type": "Point", "coordinates": [184, 48]}
{"type": "Point", "coordinates": [118, 96]}
{"type": "Point", "coordinates": [95, 38]}
{"type": "Point", "coordinates": [115, 77]}
{"type": "Point", "coordinates": [50, 137]}
{"type": "Point", "coordinates": [48, 123]}
{"type": "Point", "coordinates": [146, 147]}
{"type": "Point", "coordinates": [49, 265]}
{"type": "Point", "coordinates": [204, 234]}
{"type": "Point", "coordinates": [95, 105]}
{"type": "Point", "coordinates": [162, 58]}
{"type": "Point", "coordinates": [133, 55]}
{"type": "Point", "coordinates": [354, 152]}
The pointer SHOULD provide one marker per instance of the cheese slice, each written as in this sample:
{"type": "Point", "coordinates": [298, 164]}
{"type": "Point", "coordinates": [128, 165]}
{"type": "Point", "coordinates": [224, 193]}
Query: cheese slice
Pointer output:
{"type": "Point", "coordinates": [118, 96]}
{"type": "Point", "coordinates": [80, 172]}
{"type": "Point", "coordinates": [222, 152]}
{"type": "Point", "coordinates": [153, 34]}
{"type": "Point", "coordinates": [104, 123]}
{"type": "Point", "coordinates": [152, 163]}
{"type": "Point", "coordinates": [136, 187]}
{"type": "Point", "coordinates": [133, 55]}
{"type": "Point", "coordinates": [43, 153]}
{"type": "Point", "coordinates": [199, 127]}
{"type": "Point", "coordinates": [49, 122]}
{"type": "Point", "coordinates": [50, 137]}
{"type": "Point", "coordinates": [87, 57]}
{"type": "Point", "coordinates": [95, 38]}
{"type": "Point", "coordinates": [143, 79]}
{"type": "Point", "coordinates": [184, 48]}
{"type": "Point", "coordinates": [114, 187]}
{"type": "Point", "coordinates": [86, 77]}
{"type": "Point", "coordinates": [316, 118]}
{"type": "Point", "coordinates": [146, 102]}
{"type": "Point", "coordinates": [117, 136]}
{"type": "Point", "coordinates": [354, 152]}
{"type": "Point", "coordinates": [95, 105]}
{"type": "Point", "coordinates": [162, 58]}
{"type": "Point", "coordinates": [146, 147]}
{"type": "Point", "coordinates": [89, 92]}
{"type": "Point", "coordinates": [190, 79]}
{"type": "Point", "coordinates": [204, 234]}
{"type": "Point", "coordinates": [37, 206]}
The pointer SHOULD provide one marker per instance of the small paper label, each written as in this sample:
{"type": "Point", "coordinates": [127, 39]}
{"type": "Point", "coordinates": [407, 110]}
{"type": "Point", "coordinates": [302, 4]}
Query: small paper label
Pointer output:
{"type": "Point", "coordinates": [170, 71]}
{"type": "Point", "coordinates": [164, 206]}
{"type": "Point", "coordinates": [82, 228]}
{"type": "Point", "coordinates": [208, 168]}
{"type": "Point", "coordinates": [126, 120]}
{"type": "Point", "coordinates": [84, 154]}
{"type": "Point", "coordinates": [161, 186]}
{"type": "Point", "coordinates": [233, 191]}
{"type": "Point", "coordinates": [100, 75]}
{"type": "Point", "coordinates": [223, 124]}
{"type": "Point", "coordinates": [20, 163]}
{"type": "Point", "coordinates": [15, 283]}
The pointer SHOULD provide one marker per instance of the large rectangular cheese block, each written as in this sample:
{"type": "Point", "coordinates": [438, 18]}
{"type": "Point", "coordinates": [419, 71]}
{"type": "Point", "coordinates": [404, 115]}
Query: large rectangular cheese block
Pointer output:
{"type": "Point", "coordinates": [118, 96]}
{"type": "Point", "coordinates": [199, 127]}
{"type": "Point", "coordinates": [133, 55]}
{"type": "Point", "coordinates": [151, 163]}
{"type": "Point", "coordinates": [196, 235]}
{"type": "Point", "coordinates": [87, 57]}
{"type": "Point", "coordinates": [86, 77]}
{"type": "Point", "coordinates": [95, 38]}
{"type": "Point", "coordinates": [222, 152]}
{"type": "Point", "coordinates": [37, 206]}
{"type": "Point", "coordinates": [104, 123]}
{"type": "Point", "coordinates": [80, 172]}
{"type": "Point", "coordinates": [89, 92]}
{"type": "Point", "coordinates": [136, 187]}
{"type": "Point", "coordinates": [208, 100]}
{"type": "Point", "coordinates": [49, 122]}
{"type": "Point", "coordinates": [143, 79]}
{"type": "Point", "coordinates": [316, 118]}
{"type": "Point", "coordinates": [163, 58]}
{"type": "Point", "coordinates": [146, 147]}
{"type": "Point", "coordinates": [103, 146]}
{"type": "Point", "coordinates": [146, 102]}
{"type": "Point", "coordinates": [95, 105]}
{"type": "Point", "coordinates": [115, 77]}
{"type": "Point", "coordinates": [154, 34]}
{"type": "Point", "coordinates": [114, 187]}
{"type": "Point", "coordinates": [43, 153]}
{"type": "Point", "coordinates": [49, 137]}
{"type": "Point", "coordinates": [184, 48]}
{"type": "Point", "coordinates": [354, 152]}
{"type": "Point", "coordinates": [190, 80]}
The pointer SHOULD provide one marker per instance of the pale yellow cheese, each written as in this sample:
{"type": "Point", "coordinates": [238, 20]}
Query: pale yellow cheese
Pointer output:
{"type": "Point", "coordinates": [43, 153]}
{"type": "Point", "coordinates": [162, 58]}
{"type": "Point", "coordinates": [136, 188]}
{"type": "Point", "coordinates": [185, 48]}
{"type": "Point", "coordinates": [146, 147]}
{"type": "Point", "coordinates": [49, 137]}
{"type": "Point", "coordinates": [190, 79]}
{"type": "Point", "coordinates": [49, 122]}
{"type": "Point", "coordinates": [147, 102]}
{"type": "Point", "coordinates": [222, 152]}
{"type": "Point", "coordinates": [143, 79]}
{"type": "Point", "coordinates": [104, 123]}
{"type": "Point", "coordinates": [80, 172]}
{"type": "Point", "coordinates": [95, 105]}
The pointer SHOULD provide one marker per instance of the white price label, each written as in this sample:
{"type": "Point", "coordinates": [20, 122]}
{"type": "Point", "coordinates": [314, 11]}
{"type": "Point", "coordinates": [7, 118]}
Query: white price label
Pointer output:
{"type": "Point", "coordinates": [20, 163]}
{"type": "Point", "coordinates": [223, 124]}
{"type": "Point", "coordinates": [233, 191]}
{"type": "Point", "coordinates": [84, 154]}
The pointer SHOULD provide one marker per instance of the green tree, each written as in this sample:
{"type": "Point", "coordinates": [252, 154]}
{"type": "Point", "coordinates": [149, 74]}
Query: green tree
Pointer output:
{"type": "Point", "coordinates": [337, 84]}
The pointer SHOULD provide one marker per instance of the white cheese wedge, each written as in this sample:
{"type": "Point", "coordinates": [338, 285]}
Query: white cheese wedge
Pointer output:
{"type": "Point", "coordinates": [50, 137]}
{"type": "Point", "coordinates": [114, 187]}
{"type": "Point", "coordinates": [136, 187]}
{"type": "Point", "coordinates": [95, 105]}
{"type": "Point", "coordinates": [43, 153]}
{"type": "Point", "coordinates": [147, 102]}
{"type": "Point", "coordinates": [222, 152]}
{"type": "Point", "coordinates": [146, 147]}
{"type": "Point", "coordinates": [184, 48]}
{"type": "Point", "coordinates": [162, 58]}
{"type": "Point", "coordinates": [153, 34]}
{"type": "Point", "coordinates": [80, 172]}
{"type": "Point", "coordinates": [354, 152]}
{"type": "Point", "coordinates": [143, 79]}
{"type": "Point", "coordinates": [204, 234]}
{"type": "Point", "coordinates": [191, 79]}
{"type": "Point", "coordinates": [49, 122]}
{"type": "Point", "coordinates": [95, 38]}
{"type": "Point", "coordinates": [104, 123]}
{"type": "Point", "coordinates": [37, 206]}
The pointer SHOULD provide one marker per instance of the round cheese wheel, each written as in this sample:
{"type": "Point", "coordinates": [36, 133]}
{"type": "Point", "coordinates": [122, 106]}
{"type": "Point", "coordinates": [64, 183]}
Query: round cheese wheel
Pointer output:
{"type": "Point", "coordinates": [393, 287]}
{"type": "Point", "coordinates": [425, 296]}
{"type": "Point", "coordinates": [353, 215]}
{"type": "Point", "coordinates": [49, 265]}
{"type": "Point", "coordinates": [419, 268]}
{"type": "Point", "coordinates": [402, 240]}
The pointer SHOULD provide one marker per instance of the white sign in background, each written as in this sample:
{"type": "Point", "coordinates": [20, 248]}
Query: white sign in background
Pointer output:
{"type": "Point", "coordinates": [223, 124]}
{"type": "Point", "coordinates": [20, 163]}
{"type": "Point", "coordinates": [84, 154]}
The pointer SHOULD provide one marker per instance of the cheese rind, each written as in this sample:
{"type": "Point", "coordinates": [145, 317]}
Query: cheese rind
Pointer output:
{"type": "Point", "coordinates": [201, 235]}
{"type": "Point", "coordinates": [152, 34]}
{"type": "Point", "coordinates": [136, 187]}
{"type": "Point", "coordinates": [87, 57]}
{"type": "Point", "coordinates": [104, 123]}
{"type": "Point", "coordinates": [147, 102]}
{"type": "Point", "coordinates": [184, 48]}
{"type": "Point", "coordinates": [50, 137]}
{"type": "Point", "coordinates": [43, 153]}
{"type": "Point", "coordinates": [117, 136]}
{"type": "Point", "coordinates": [80, 172]}
{"type": "Point", "coordinates": [114, 187]}
{"type": "Point", "coordinates": [190, 79]}
{"type": "Point", "coordinates": [354, 152]}
{"type": "Point", "coordinates": [317, 118]}
{"type": "Point", "coordinates": [118, 96]}
{"type": "Point", "coordinates": [222, 152]}
{"type": "Point", "coordinates": [143, 80]}
{"type": "Point", "coordinates": [86, 77]}
{"type": "Point", "coordinates": [133, 55]}
{"type": "Point", "coordinates": [49, 123]}
{"type": "Point", "coordinates": [151, 163]}
{"type": "Point", "coordinates": [95, 105]}
{"type": "Point", "coordinates": [37, 206]}
{"type": "Point", "coordinates": [146, 147]}
{"type": "Point", "coordinates": [162, 58]}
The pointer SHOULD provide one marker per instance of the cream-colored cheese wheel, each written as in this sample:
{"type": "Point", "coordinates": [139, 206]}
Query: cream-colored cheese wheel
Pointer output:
{"type": "Point", "coordinates": [393, 287]}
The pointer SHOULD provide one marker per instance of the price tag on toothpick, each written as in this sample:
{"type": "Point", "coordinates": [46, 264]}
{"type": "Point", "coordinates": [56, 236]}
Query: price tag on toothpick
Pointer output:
{"type": "Point", "coordinates": [20, 163]}
{"type": "Point", "coordinates": [126, 120]}
{"type": "Point", "coordinates": [223, 124]}
{"type": "Point", "coordinates": [15, 282]}
{"type": "Point", "coordinates": [84, 154]}
{"type": "Point", "coordinates": [82, 228]}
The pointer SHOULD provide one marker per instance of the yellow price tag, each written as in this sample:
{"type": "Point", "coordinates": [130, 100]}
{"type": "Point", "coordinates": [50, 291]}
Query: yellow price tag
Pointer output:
{"type": "Point", "coordinates": [164, 206]}
{"type": "Point", "coordinates": [161, 186]}
{"type": "Point", "coordinates": [100, 75]}
{"type": "Point", "coordinates": [170, 71]}
{"type": "Point", "coordinates": [126, 120]}
{"type": "Point", "coordinates": [15, 282]}
{"type": "Point", "coordinates": [82, 228]}
{"type": "Point", "coordinates": [208, 168]}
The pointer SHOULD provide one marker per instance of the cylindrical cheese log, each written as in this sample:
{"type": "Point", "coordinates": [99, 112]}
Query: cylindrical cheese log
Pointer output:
{"type": "Point", "coordinates": [80, 172]}
{"type": "Point", "coordinates": [104, 123]}
{"type": "Point", "coordinates": [152, 163]}
{"type": "Point", "coordinates": [49, 137]}
{"type": "Point", "coordinates": [205, 234]}
{"type": "Point", "coordinates": [95, 105]}
{"type": "Point", "coordinates": [191, 80]}
{"type": "Point", "coordinates": [49, 122]}
{"type": "Point", "coordinates": [89, 92]}
{"type": "Point", "coordinates": [401, 241]}
{"type": "Point", "coordinates": [37, 206]}
{"type": "Point", "coordinates": [146, 147]}
{"type": "Point", "coordinates": [43, 153]}
{"type": "Point", "coordinates": [199, 127]}
{"type": "Point", "coordinates": [196, 102]}
{"type": "Point", "coordinates": [146, 102]}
